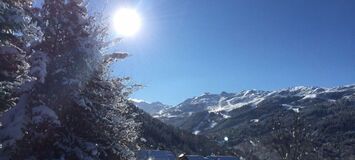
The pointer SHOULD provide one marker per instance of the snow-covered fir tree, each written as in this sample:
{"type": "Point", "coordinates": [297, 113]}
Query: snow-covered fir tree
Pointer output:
{"type": "Point", "coordinates": [17, 32]}
{"type": "Point", "coordinates": [68, 108]}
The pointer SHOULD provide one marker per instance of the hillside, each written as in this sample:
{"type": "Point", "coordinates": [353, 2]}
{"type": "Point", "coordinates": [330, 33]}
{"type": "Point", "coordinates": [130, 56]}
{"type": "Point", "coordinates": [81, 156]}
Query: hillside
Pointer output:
{"type": "Point", "coordinates": [155, 134]}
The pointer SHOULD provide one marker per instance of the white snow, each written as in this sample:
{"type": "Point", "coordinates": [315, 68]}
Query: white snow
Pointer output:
{"type": "Point", "coordinates": [293, 108]}
{"type": "Point", "coordinates": [297, 110]}
{"type": "Point", "coordinates": [39, 62]}
{"type": "Point", "coordinates": [167, 115]}
{"type": "Point", "coordinates": [198, 101]}
{"type": "Point", "coordinates": [225, 116]}
{"type": "Point", "coordinates": [13, 122]}
{"type": "Point", "coordinates": [137, 100]}
{"type": "Point", "coordinates": [247, 98]}
{"type": "Point", "coordinates": [287, 105]}
{"type": "Point", "coordinates": [225, 102]}
{"type": "Point", "coordinates": [42, 113]}
{"type": "Point", "coordinates": [310, 96]}
{"type": "Point", "coordinates": [213, 124]}
{"type": "Point", "coordinates": [252, 142]}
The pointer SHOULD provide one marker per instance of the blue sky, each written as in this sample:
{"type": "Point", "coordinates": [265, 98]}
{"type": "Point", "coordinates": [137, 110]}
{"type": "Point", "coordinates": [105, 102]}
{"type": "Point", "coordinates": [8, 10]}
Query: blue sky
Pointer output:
{"type": "Point", "coordinates": [188, 47]}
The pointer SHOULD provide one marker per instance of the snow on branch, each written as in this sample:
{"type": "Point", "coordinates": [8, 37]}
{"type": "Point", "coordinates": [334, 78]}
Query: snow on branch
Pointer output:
{"type": "Point", "coordinates": [114, 56]}
{"type": "Point", "coordinates": [39, 66]}
{"type": "Point", "coordinates": [42, 113]}
{"type": "Point", "coordinates": [14, 121]}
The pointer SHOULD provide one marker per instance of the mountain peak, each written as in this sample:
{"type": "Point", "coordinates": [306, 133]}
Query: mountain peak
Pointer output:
{"type": "Point", "coordinates": [150, 107]}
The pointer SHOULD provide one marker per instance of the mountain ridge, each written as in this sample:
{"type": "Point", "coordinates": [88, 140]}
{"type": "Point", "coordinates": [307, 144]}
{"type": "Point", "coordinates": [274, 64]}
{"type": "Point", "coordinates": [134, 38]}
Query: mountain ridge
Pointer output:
{"type": "Point", "coordinates": [247, 97]}
{"type": "Point", "coordinates": [314, 121]}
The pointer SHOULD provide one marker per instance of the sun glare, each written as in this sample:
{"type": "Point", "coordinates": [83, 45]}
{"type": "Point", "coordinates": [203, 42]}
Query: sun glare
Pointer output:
{"type": "Point", "coordinates": [126, 22]}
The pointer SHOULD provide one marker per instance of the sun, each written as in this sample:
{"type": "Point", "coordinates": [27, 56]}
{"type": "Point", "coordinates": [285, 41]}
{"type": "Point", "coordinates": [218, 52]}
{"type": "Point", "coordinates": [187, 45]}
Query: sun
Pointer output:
{"type": "Point", "coordinates": [126, 22]}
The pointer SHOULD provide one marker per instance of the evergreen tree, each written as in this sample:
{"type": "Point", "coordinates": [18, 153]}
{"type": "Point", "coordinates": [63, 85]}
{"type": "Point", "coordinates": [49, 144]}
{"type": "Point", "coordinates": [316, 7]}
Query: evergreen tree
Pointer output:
{"type": "Point", "coordinates": [17, 33]}
{"type": "Point", "coordinates": [70, 109]}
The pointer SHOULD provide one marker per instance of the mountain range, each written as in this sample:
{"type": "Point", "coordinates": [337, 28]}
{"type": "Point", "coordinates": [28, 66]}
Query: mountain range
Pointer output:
{"type": "Point", "coordinates": [298, 122]}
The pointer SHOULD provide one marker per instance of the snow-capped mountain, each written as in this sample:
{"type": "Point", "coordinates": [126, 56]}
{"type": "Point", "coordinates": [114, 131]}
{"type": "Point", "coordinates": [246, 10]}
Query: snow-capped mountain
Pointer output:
{"type": "Point", "coordinates": [151, 108]}
{"type": "Point", "coordinates": [216, 107]}
{"type": "Point", "coordinates": [316, 120]}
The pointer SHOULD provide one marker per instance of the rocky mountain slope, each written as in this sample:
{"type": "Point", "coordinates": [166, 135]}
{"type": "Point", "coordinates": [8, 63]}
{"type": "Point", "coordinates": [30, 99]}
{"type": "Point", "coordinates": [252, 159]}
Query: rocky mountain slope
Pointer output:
{"type": "Point", "coordinates": [299, 122]}
{"type": "Point", "coordinates": [156, 135]}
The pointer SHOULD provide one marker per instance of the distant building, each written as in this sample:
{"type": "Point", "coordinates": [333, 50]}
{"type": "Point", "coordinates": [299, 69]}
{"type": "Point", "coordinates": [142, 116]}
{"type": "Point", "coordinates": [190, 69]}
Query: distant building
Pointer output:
{"type": "Point", "coordinates": [222, 158]}
{"type": "Point", "coordinates": [191, 157]}
{"type": "Point", "coordinates": [155, 155]}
